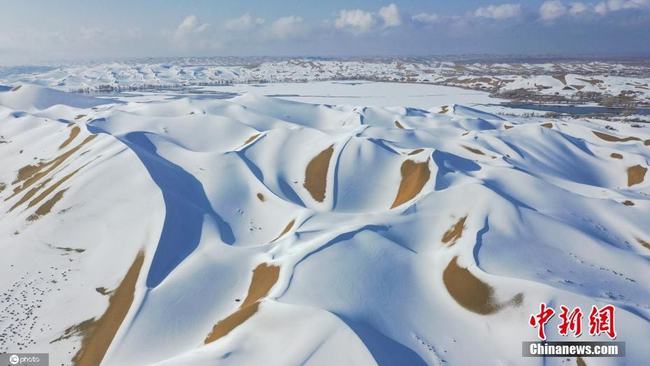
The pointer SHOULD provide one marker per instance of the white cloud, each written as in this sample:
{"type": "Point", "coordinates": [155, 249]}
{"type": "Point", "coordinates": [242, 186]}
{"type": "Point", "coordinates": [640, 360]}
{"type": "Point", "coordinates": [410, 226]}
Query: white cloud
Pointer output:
{"type": "Point", "coordinates": [244, 22]}
{"type": "Point", "coordinates": [390, 15]}
{"type": "Point", "coordinates": [189, 27]}
{"type": "Point", "coordinates": [603, 7]}
{"type": "Point", "coordinates": [503, 11]}
{"type": "Point", "coordinates": [578, 8]}
{"type": "Point", "coordinates": [426, 18]}
{"type": "Point", "coordinates": [551, 10]}
{"type": "Point", "coordinates": [357, 20]}
{"type": "Point", "coordinates": [287, 27]}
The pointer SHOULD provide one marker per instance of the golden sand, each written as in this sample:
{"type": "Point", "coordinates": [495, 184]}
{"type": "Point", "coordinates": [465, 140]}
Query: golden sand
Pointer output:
{"type": "Point", "coordinates": [261, 197]}
{"type": "Point", "coordinates": [547, 125]}
{"type": "Point", "coordinates": [507, 127]}
{"type": "Point", "coordinates": [264, 277]}
{"type": "Point", "coordinates": [398, 125]}
{"type": "Point", "coordinates": [611, 138]}
{"type": "Point", "coordinates": [251, 139]}
{"type": "Point", "coordinates": [451, 236]}
{"type": "Point", "coordinates": [73, 133]}
{"type": "Point", "coordinates": [98, 334]}
{"type": "Point", "coordinates": [473, 150]}
{"type": "Point", "coordinates": [644, 243]}
{"type": "Point", "coordinates": [444, 109]}
{"type": "Point", "coordinates": [316, 174]}
{"type": "Point", "coordinates": [472, 293]}
{"type": "Point", "coordinates": [414, 177]}
{"type": "Point", "coordinates": [616, 155]}
{"type": "Point", "coordinates": [31, 174]}
{"type": "Point", "coordinates": [580, 362]}
{"type": "Point", "coordinates": [635, 175]}
{"type": "Point", "coordinates": [628, 203]}
{"type": "Point", "coordinates": [416, 151]}
{"type": "Point", "coordinates": [286, 230]}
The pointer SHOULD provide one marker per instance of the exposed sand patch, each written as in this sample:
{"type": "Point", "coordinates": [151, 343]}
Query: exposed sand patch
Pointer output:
{"type": "Point", "coordinates": [286, 230]}
{"type": "Point", "coordinates": [98, 334]}
{"type": "Point", "coordinates": [45, 208]}
{"type": "Point", "coordinates": [616, 155]}
{"type": "Point", "coordinates": [398, 125]}
{"type": "Point", "coordinates": [261, 197]}
{"type": "Point", "coordinates": [16, 88]}
{"type": "Point", "coordinates": [635, 175]}
{"type": "Point", "coordinates": [31, 174]}
{"type": "Point", "coordinates": [45, 193]}
{"type": "Point", "coordinates": [79, 116]}
{"type": "Point", "coordinates": [316, 174]}
{"type": "Point", "coordinates": [264, 277]}
{"type": "Point", "coordinates": [628, 203]}
{"type": "Point", "coordinates": [472, 293]}
{"type": "Point", "coordinates": [414, 177]}
{"type": "Point", "coordinates": [644, 243]}
{"type": "Point", "coordinates": [473, 150]}
{"type": "Point", "coordinates": [103, 290]}
{"type": "Point", "coordinates": [73, 133]}
{"type": "Point", "coordinates": [416, 151]}
{"type": "Point", "coordinates": [451, 236]}
{"type": "Point", "coordinates": [580, 362]}
{"type": "Point", "coordinates": [232, 321]}
{"type": "Point", "coordinates": [2, 187]}
{"type": "Point", "coordinates": [547, 125]}
{"type": "Point", "coordinates": [251, 139]}
{"type": "Point", "coordinates": [507, 127]}
{"type": "Point", "coordinates": [646, 142]}
{"type": "Point", "coordinates": [444, 109]}
{"type": "Point", "coordinates": [611, 138]}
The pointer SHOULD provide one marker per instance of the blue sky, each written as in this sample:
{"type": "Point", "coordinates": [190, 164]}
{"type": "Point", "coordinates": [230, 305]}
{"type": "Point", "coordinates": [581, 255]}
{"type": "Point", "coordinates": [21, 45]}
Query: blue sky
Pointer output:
{"type": "Point", "coordinates": [35, 31]}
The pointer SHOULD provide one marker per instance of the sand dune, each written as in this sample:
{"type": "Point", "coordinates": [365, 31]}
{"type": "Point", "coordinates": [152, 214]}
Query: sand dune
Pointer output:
{"type": "Point", "coordinates": [282, 232]}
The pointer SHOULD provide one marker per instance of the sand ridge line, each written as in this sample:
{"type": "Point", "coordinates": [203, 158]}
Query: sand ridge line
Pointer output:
{"type": "Point", "coordinates": [316, 174]}
{"type": "Point", "coordinates": [98, 334]}
{"type": "Point", "coordinates": [644, 243]}
{"type": "Point", "coordinates": [635, 175]}
{"type": "Point", "coordinates": [473, 150]}
{"type": "Point", "coordinates": [414, 177]}
{"type": "Point", "coordinates": [251, 139]}
{"type": "Point", "coordinates": [611, 138]}
{"type": "Point", "coordinates": [286, 230]}
{"type": "Point", "coordinates": [451, 236]}
{"type": "Point", "coordinates": [471, 293]}
{"type": "Point", "coordinates": [73, 134]}
{"type": "Point", "coordinates": [264, 278]}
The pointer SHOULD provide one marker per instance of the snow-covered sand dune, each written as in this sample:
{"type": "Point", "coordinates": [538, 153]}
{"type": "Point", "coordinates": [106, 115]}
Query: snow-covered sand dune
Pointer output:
{"type": "Point", "coordinates": [256, 230]}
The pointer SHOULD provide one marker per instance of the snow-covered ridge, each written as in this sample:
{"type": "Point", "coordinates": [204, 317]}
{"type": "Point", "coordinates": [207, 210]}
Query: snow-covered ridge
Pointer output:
{"type": "Point", "coordinates": [198, 231]}
{"type": "Point", "coordinates": [606, 83]}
